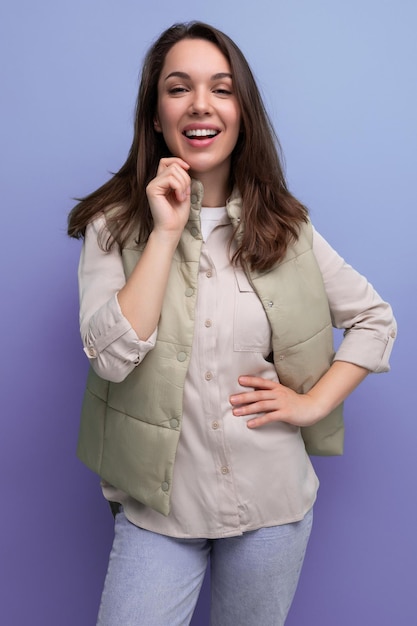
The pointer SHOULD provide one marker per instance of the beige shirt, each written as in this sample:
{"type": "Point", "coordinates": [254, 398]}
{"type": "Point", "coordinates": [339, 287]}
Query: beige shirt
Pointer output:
{"type": "Point", "coordinates": [228, 479]}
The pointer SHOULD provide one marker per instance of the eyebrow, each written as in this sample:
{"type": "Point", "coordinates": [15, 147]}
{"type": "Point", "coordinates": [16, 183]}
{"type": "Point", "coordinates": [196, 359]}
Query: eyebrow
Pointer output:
{"type": "Point", "coordinates": [186, 76]}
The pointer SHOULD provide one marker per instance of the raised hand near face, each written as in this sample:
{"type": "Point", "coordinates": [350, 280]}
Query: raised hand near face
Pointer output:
{"type": "Point", "coordinates": [169, 196]}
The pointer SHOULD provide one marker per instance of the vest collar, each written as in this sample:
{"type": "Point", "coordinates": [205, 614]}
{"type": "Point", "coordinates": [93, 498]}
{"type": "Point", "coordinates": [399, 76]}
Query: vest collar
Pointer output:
{"type": "Point", "coordinates": [233, 205]}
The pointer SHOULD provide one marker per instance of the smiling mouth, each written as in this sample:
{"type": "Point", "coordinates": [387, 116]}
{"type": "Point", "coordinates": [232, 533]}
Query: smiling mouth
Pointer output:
{"type": "Point", "coordinates": [201, 133]}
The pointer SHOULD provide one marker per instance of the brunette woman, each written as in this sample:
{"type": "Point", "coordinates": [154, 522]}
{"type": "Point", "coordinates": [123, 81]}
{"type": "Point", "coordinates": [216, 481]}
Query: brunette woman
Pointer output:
{"type": "Point", "coordinates": [207, 307]}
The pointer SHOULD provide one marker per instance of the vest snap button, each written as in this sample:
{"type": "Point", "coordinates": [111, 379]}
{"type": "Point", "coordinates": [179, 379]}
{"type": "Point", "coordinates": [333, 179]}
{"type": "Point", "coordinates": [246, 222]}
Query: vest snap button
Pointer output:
{"type": "Point", "coordinates": [90, 352]}
{"type": "Point", "coordinates": [189, 292]}
{"type": "Point", "coordinates": [165, 486]}
{"type": "Point", "coordinates": [181, 357]}
{"type": "Point", "coordinates": [174, 423]}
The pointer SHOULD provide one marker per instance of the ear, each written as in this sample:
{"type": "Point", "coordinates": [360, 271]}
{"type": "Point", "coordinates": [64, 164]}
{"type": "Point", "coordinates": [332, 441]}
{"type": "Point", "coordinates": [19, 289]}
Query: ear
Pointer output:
{"type": "Point", "coordinates": [157, 125]}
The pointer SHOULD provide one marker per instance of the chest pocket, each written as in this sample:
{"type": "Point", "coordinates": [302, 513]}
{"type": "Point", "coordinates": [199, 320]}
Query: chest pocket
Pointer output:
{"type": "Point", "coordinates": [251, 329]}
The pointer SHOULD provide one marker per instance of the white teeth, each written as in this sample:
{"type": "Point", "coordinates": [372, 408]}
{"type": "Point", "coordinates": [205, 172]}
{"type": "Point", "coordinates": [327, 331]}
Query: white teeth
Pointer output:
{"type": "Point", "coordinates": [201, 132]}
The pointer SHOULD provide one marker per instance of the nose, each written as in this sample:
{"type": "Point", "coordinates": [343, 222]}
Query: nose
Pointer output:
{"type": "Point", "coordinates": [200, 104]}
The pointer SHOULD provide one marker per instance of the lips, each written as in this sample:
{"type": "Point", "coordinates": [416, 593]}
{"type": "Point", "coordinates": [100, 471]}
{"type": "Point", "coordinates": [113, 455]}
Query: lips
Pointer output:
{"type": "Point", "coordinates": [195, 133]}
{"type": "Point", "coordinates": [200, 131]}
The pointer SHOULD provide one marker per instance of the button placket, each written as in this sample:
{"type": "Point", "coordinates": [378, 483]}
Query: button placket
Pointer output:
{"type": "Point", "coordinates": [208, 324]}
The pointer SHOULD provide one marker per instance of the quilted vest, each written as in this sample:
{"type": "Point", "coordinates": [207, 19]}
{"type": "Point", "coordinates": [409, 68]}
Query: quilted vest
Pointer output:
{"type": "Point", "coordinates": [130, 430]}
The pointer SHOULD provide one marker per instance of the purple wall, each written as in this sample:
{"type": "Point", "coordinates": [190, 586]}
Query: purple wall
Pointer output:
{"type": "Point", "coordinates": [339, 82]}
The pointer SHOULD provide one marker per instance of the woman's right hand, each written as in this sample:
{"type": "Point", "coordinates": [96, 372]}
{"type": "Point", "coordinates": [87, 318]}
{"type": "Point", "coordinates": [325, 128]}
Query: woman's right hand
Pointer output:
{"type": "Point", "coordinates": [142, 296]}
{"type": "Point", "coordinates": [169, 196]}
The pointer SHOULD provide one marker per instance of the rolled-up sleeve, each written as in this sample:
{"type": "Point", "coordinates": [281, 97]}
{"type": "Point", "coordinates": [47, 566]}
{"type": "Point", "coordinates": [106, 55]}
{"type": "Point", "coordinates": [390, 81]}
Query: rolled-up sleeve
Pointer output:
{"type": "Point", "coordinates": [368, 321]}
{"type": "Point", "coordinates": [109, 340]}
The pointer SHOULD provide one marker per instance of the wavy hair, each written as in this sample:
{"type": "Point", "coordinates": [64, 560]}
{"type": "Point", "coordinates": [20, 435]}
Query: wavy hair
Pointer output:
{"type": "Point", "coordinates": [270, 213]}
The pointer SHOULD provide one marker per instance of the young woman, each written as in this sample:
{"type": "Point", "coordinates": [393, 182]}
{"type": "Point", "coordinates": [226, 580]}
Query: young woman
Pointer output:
{"type": "Point", "coordinates": [207, 306]}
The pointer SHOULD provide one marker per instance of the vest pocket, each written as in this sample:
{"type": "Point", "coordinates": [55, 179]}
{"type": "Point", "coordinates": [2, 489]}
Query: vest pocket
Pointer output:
{"type": "Point", "coordinates": [251, 329]}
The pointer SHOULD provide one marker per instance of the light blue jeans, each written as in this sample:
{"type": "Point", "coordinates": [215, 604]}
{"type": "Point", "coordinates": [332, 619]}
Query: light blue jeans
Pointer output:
{"type": "Point", "coordinates": [154, 580]}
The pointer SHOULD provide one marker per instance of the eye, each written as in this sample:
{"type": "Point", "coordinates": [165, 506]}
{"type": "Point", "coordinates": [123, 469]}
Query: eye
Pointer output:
{"type": "Point", "coordinates": [177, 90]}
{"type": "Point", "coordinates": [223, 89]}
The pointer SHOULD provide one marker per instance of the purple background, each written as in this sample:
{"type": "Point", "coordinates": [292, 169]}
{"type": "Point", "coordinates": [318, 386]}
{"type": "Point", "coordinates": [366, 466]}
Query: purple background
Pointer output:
{"type": "Point", "coordinates": [339, 80]}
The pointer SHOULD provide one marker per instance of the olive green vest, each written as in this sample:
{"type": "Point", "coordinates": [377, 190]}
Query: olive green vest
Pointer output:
{"type": "Point", "coordinates": [130, 430]}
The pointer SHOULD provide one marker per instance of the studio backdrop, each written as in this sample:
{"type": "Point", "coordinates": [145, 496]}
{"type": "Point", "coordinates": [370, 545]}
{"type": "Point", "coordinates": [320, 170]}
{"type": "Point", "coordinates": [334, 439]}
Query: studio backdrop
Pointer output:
{"type": "Point", "coordinates": [339, 83]}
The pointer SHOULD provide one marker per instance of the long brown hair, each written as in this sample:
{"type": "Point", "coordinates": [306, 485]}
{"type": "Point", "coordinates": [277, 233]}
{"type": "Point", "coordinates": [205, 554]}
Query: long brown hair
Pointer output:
{"type": "Point", "coordinates": [270, 214]}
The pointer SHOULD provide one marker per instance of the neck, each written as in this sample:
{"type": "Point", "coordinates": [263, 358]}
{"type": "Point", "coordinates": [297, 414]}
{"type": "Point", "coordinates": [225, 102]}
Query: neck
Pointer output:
{"type": "Point", "coordinates": [216, 190]}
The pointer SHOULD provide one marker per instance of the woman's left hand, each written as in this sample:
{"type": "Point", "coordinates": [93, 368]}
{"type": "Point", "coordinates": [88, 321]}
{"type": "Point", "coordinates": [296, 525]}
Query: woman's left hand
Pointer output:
{"type": "Point", "coordinates": [275, 403]}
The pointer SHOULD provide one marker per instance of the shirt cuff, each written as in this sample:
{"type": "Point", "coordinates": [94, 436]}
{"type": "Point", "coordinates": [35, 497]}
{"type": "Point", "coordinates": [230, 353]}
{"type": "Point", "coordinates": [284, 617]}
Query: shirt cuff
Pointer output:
{"type": "Point", "coordinates": [112, 345]}
{"type": "Point", "coordinates": [367, 350]}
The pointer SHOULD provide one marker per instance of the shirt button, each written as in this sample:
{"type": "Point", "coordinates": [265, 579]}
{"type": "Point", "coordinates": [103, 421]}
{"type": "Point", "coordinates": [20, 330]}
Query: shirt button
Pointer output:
{"type": "Point", "coordinates": [181, 356]}
{"type": "Point", "coordinates": [91, 352]}
{"type": "Point", "coordinates": [215, 425]}
{"type": "Point", "coordinates": [174, 423]}
{"type": "Point", "coordinates": [189, 292]}
{"type": "Point", "coordinates": [208, 376]}
{"type": "Point", "coordinates": [164, 486]}
{"type": "Point", "coordinates": [207, 323]}
{"type": "Point", "coordinates": [209, 273]}
{"type": "Point", "coordinates": [224, 470]}
{"type": "Point", "coordinates": [393, 334]}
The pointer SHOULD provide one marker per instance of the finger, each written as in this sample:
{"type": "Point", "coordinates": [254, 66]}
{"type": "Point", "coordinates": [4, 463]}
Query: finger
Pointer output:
{"type": "Point", "coordinates": [263, 406]}
{"type": "Point", "coordinates": [268, 418]}
{"type": "Point", "coordinates": [174, 169]}
{"type": "Point", "coordinates": [182, 188]}
{"type": "Point", "coordinates": [250, 397]}
{"type": "Point", "coordinates": [257, 382]}
{"type": "Point", "coordinates": [167, 161]}
{"type": "Point", "coordinates": [171, 179]}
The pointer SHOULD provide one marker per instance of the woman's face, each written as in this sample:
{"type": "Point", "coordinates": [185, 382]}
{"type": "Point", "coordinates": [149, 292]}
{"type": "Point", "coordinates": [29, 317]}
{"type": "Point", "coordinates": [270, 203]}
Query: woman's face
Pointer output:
{"type": "Point", "coordinates": [198, 113]}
